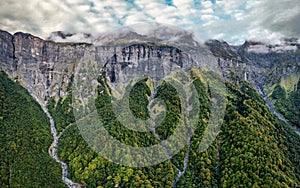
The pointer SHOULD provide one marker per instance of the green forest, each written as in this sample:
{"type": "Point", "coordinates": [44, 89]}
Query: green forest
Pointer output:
{"type": "Point", "coordinates": [253, 148]}
{"type": "Point", "coordinates": [25, 137]}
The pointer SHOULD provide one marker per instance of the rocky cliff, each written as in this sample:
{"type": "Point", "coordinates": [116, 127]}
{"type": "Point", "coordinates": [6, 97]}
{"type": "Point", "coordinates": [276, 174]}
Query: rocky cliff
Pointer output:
{"type": "Point", "coordinates": [260, 64]}
{"type": "Point", "coordinates": [44, 67]}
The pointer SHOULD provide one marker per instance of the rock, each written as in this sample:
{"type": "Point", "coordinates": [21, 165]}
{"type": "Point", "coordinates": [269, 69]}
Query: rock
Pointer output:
{"type": "Point", "coordinates": [45, 67]}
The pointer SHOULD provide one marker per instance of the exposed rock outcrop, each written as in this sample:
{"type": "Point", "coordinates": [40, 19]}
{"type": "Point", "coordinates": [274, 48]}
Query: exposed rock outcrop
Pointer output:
{"type": "Point", "coordinates": [45, 67]}
{"type": "Point", "coordinates": [258, 63]}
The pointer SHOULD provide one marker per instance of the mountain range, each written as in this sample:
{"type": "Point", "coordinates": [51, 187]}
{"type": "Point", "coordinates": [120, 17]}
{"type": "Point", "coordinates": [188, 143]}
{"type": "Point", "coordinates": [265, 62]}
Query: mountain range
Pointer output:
{"type": "Point", "coordinates": [256, 145]}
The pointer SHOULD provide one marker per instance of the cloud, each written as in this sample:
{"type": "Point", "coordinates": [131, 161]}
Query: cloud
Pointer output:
{"type": "Point", "coordinates": [233, 21]}
{"type": "Point", "coordinates": [279, 16]}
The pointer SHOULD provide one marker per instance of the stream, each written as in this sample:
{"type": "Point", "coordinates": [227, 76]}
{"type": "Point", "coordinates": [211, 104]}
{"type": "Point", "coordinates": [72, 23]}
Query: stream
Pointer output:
{"type": "Point", "coordinates": [53, 148]}
{"type": "Point", "coordinates": [186, 158]}
{"type": "Point", "coordinates": [185, 162]}
{"type": "Point", "coordinates": [278, 115]}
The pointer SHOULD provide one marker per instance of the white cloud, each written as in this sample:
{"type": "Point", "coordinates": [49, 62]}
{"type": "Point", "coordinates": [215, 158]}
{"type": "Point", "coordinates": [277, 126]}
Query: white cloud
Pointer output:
{"type": "Point", "coordinates": [227, 6]}
{"type": "Point", "coordinates": [208, 17]}
{"type": "Point", "coordinates": [233, 21]}
{"type": "Point", "coordinates": [182, 4]}
{"type": "Point", "coordinates": [206, 4]}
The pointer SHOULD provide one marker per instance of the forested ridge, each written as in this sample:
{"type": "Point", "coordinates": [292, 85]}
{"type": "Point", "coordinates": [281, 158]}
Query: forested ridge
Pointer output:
{"type": "Point", "coordinates": [25, 137]}
{"type": "Point", "coordinates": [257, 149]}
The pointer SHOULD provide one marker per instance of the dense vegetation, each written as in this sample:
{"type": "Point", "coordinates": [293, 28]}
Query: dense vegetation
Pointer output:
{"type": "Point", "coordinates": [253, 149]}
{"type": "Point", "coordinates": [90, 169]}
{"type": "Point", "coordinates": [257, 149]}
{"type": "Point", "coordinates": [288, 103]}
{"type": "Point", "coordinates": [24, 140]}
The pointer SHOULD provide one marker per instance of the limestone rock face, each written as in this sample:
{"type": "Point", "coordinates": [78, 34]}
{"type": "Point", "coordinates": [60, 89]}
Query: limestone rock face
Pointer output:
{"type": "Point", "coordinates": [42, 67]}
{"type": "Point", "coordinates": [45, 67]}
{"type": "Point", "coordinates": [6, 52]}
{"type": "Point", "coordinates": [152, 60]}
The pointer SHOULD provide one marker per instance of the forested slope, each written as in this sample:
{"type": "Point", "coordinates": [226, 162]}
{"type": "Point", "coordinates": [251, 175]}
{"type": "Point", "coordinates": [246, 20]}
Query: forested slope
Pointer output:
{"type": "Point", "coordinates": [25, 137]}
{"type": "Point", "coordinates": [253, 149]}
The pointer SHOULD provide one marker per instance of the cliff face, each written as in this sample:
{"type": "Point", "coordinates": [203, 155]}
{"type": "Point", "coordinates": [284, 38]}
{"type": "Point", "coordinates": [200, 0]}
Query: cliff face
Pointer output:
{"type": "Point", "coordinates": [260, 64]}
{"type": "Point", "coordinates": [6, 52]}
{"type": "Point", "coordinates": [45, 67]}
{"type": "Point", "coordinates": [42, 67]}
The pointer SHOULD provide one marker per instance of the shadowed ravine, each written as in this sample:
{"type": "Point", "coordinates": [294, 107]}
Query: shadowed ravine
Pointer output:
{"type": "Point", "coordinates": [277, 114]}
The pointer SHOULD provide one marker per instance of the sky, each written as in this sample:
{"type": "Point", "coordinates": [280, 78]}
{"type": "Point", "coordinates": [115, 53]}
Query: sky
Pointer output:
{"type": "Point", "coordinates": [231, 20]}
